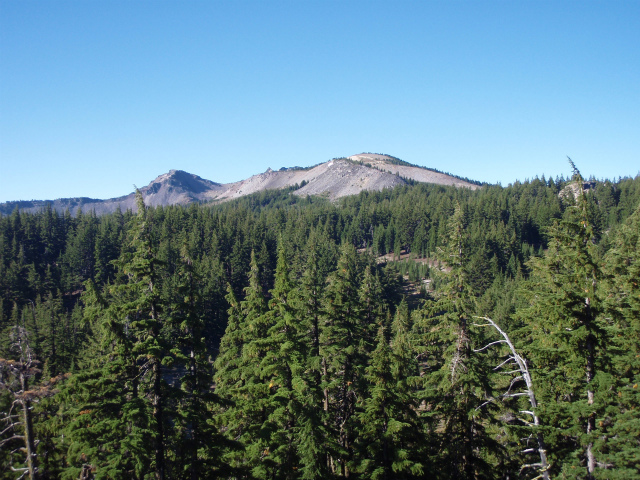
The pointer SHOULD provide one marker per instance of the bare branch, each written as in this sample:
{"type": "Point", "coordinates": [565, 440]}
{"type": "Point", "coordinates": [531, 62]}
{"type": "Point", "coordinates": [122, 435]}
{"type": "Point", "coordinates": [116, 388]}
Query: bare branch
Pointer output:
{"type": "Point", "coordinates": [531, 465]}
{"type": "Point", "coordinates": [513, 381]}
{"type": "Point", "coordinates": [487, 346]}
{"type": "Point", "coordinates": [524, 375]}
{"type": "Point", "coordinates": [510, 359]}
{"type": "Point", "coordinates": [7, 440]}
{"type": "Point", "coordinates": [510, 373]}
{"type": "Point", "coordinates": [485, 403]}
{"type": "Point", "coordinates": [526, 422]}
{"type": "Point", "coordinates": [9, 428]}
{"type": "Point", "coordinates": [515, 394]}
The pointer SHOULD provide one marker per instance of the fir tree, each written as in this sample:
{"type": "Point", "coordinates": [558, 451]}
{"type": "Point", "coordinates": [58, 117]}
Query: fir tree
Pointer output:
{"type": "Point", "coordinates": [621, 423]}
{"type": "Point", "coordinates": [566, 337]}
{"type": "Point", "coordinates": [109, 422]}
{"type": "Point", "coordinates": [390, 440]}
{"type": "Point", "coordinates": [282, 367]}
{"type": "Point", "coordinates": [133, 351]}
{"type": "Point", "coordinates": [241, 383]}
{"type": "Point", "coordinates": [343, 350]}
{"type": "Point", "coordinates": [454, 382]}
{"type": "Point", "coordinates": [314, 446]}
{"type": "Point", "coordinates": [199, 446]}
{"type": "Point", "coordinates": [141, 308]}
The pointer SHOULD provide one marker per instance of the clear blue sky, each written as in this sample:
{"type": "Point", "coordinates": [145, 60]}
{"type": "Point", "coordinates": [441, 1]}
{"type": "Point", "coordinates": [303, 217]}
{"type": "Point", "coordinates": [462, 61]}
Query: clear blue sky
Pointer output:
{"type": "Point", "coordinates": [96, 96]}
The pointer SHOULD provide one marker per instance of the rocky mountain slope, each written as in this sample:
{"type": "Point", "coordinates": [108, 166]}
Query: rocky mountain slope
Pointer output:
{"type": "Point", "coordinates": [333, 179]}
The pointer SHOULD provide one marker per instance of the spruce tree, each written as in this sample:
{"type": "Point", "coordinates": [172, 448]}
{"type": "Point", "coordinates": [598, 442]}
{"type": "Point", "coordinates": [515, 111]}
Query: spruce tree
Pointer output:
{"type": "Point", "coordinates": [109, 423]}
{"type": "Point", "coordinates": [282, 367]}
{"type": "Point", "coordinates": [134, 350]}
{"type": "Point", "coordinates": [142, 307]}
{"type": "Point", "coordinates": [198, 445]}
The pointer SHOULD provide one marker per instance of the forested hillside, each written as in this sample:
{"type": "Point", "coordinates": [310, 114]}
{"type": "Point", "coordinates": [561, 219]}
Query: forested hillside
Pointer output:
{"type": "Point", "coordinates": [423, 332]}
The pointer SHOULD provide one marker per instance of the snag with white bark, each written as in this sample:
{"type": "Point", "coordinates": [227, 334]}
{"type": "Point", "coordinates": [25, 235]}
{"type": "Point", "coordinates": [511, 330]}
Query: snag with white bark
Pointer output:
{"type": "Point", "coordinates": [522, 374]}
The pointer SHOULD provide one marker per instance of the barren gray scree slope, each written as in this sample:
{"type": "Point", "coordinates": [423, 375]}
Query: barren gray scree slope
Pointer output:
{"type": "Point", "coordinates": [333, 179]}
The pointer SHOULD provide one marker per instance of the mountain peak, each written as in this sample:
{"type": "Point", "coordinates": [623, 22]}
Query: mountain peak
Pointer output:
{"type": "Point", "coordinates": [333, 179]}
{"type": "Point", "coordinates": [176, 184]}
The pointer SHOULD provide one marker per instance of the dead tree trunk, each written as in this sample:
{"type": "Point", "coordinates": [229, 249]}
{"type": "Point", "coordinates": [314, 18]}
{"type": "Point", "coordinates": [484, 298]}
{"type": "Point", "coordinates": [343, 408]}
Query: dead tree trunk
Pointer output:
{"type": "Point", "coordinates": [29, 441]}
{"type": "Point", "coordinates": [523, 371]}
{"type": "Point", "coordinates": [14, 377]}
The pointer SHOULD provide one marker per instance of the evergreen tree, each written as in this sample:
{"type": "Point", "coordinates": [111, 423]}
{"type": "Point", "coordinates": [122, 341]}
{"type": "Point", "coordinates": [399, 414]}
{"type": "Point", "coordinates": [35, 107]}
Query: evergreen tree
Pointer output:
{"type": "Point", "coordinates": [454, 382]}
{"type": "Point", "coordinates": [390, 441]}
{"type": "Point", "coordinates": [134, 350]}
{"type": "Point", "coordinates": [198, 447]}
{"type": "Point", "coordinates": [141, 307]}
{"type": "Point", "coordinates": [621, 423]}
{"type": "Point", "coordinates": [343, 350]}
{"type": "Point", "coordinates": [109, 422]}
{"type": "Point", "coordinates": [314, 447]}
{"type": "Point", "coordinates": [566, 339]}
{"type": "Point", "coordinates": [372, 301]}
{"type": "Point", "coordinates": [241, 383]}
{"type": "Point", "coordinates": [282, 367]}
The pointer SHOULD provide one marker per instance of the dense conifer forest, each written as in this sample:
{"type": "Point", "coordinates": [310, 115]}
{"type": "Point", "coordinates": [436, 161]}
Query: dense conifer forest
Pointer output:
{"type": "Point", "coordinates": [424, 332]}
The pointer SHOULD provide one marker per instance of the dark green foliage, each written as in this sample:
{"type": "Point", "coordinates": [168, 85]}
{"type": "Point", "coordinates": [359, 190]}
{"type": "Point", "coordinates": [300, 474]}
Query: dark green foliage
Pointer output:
{"type": "Point", "coordinates": [391, 444]}
{"type": "Point", "coordinates": [315, 444]}
{"type": "Point", "coordinates": [455, 383]}
{"type": "Point", "coordinates": [301, 378]}
{"type": "Point", "coordinates": [283, 368]}
{"type": "Point", "coordinates": [197, 445]}
{"type": "Point", "coordinates": [621, 422]}
{"type": "Point", "coordinates": [566, 340]}
{"type": "Point", "coordinates": [345, 341]}
{"type": "Point", "coordinates": [241, 382]}
{"type": "Point", "coordinates": [109, 423]}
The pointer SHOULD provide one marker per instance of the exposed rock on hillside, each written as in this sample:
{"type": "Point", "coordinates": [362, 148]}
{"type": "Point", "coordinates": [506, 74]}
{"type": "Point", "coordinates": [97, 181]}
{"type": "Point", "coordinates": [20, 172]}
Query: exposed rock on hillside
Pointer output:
{"type": "Point", "coordinates": [333, 179]}
{"type": "Point", "coordinates": [384, 163]}
{"type": "Point", "coordinates": [173, 188]}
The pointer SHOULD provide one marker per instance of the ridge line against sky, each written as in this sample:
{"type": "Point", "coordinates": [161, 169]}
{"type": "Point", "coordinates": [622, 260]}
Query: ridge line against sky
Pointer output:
{"type": "Point", "coordinates": [98, 96]}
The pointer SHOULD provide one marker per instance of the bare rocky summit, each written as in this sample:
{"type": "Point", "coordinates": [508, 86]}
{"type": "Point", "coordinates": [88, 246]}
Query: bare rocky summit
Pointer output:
{"type": "Point", "coordinates": [333, 179]}
{"type": "Point", "coordinates": [390, 164]}
{"type": "Point", "coordinates": [173, 188]}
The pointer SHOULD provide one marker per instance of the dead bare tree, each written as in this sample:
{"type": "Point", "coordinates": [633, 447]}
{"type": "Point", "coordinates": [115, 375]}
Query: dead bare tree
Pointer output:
{"type": "Point", "coordinates": [521, 373]}
{"type": "Point", "coordinates": [17, 423]}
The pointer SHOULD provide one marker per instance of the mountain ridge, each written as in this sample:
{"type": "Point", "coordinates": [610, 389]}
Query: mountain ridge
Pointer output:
{"type": "Point", "coordinates": [335, 178]}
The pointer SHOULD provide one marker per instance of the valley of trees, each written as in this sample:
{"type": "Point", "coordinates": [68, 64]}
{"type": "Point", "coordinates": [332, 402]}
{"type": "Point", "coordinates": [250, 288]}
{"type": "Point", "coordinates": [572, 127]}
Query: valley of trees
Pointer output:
{"type": "Point", "coordinates": [268, 337]}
